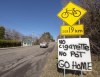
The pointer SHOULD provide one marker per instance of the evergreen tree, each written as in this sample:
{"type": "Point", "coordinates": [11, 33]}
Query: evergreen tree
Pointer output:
{"type": "Point", "coordinates": [2, 32]}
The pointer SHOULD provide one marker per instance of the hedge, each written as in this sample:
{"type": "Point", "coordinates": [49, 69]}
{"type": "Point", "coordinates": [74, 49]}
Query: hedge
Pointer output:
{"type": "Point", "coordinates": [9, 43]}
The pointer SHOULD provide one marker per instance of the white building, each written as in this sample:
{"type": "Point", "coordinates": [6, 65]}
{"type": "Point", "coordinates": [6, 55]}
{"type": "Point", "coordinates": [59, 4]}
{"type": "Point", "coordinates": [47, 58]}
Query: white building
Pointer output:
{"type": "Point", "coordinates": [27, 41]}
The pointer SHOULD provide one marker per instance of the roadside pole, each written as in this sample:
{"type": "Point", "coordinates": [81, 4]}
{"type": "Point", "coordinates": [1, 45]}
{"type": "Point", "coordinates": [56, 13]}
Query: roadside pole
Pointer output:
{"type": "Point", "coordinates": [64, 67]}
{"type": "Point", "coordinates": [81, 73]}
{"type": "Point", "coordinates": [79, 24]}
{"type": "Point", "coordinates": [64, 71]}
{"type": "Point", "coordinates": [80, 37]}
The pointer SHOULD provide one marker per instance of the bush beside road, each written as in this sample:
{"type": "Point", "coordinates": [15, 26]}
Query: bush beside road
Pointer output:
{"type": "Point", "coordinates": [9, 43]}
{"type": "Point", "coordinates": [50, 69]}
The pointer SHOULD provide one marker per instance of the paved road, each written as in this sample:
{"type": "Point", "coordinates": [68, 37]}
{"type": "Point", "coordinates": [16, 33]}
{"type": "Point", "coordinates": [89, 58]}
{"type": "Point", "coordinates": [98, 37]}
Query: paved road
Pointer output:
{"type": "Point", "coordinates": [23, 61]}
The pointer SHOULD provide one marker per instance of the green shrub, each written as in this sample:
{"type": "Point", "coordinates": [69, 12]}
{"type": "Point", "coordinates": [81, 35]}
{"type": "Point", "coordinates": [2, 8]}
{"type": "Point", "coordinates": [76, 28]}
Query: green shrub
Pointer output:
{"type": "Point", "coordinates": [9, 43]}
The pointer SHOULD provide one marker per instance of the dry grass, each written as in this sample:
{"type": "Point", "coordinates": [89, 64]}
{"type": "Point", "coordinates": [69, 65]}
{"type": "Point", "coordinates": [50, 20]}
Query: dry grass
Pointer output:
{"type": "Point", "coordinates": [50, 69]}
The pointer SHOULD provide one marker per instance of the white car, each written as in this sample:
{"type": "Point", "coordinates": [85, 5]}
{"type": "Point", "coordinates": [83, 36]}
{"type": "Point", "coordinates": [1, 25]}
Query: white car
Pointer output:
{"type": "Point", "coordinates": [43, 44]}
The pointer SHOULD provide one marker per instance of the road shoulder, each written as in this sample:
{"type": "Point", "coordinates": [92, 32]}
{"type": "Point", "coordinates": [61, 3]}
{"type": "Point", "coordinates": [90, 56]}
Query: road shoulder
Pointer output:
{"type": "Point", "coordinates": [50, 69]}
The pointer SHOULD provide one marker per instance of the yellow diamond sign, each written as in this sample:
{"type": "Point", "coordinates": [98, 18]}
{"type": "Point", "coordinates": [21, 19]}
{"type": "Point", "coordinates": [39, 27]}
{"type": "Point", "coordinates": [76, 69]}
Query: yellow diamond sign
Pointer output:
{"type": "Point", "coordinates": [74, 30]}
{"type": "Point", "coordinates": [71, 13]}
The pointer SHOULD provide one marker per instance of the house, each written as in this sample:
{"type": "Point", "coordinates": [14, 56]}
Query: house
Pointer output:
{"type": "Point", "coordinates": [27, 41]}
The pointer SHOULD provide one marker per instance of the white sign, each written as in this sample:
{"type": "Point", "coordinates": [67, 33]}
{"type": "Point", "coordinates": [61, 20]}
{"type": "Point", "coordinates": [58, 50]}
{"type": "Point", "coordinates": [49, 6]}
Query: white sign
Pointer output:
{"type": "Point", "coordinates": [74, 54]}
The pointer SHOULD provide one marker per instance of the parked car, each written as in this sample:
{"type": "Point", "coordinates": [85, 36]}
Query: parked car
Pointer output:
{"type": "Point", "coordinates": [43, 44]}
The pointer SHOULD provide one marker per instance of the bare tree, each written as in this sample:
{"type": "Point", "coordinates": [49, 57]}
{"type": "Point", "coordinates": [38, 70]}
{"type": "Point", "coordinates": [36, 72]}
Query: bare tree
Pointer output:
{"type": "Point", "coordinates": [13, 35]}
{"type": "Point", "coordinates": [92, 23]}
{"type": "Point", "coordinates": [8, 34]}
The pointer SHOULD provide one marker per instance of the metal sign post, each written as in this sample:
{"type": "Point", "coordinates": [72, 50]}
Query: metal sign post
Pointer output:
{"type": "Point", "coordinates": [64, 72]}
{"type": "Point", "coordinates": [81, 73]}
{"type": "Point", "coordinates": [80, 37]}
{"type": "Point", "coordinates": [79, 24]}
{"type": "Point", "coordinates": [64, 67]}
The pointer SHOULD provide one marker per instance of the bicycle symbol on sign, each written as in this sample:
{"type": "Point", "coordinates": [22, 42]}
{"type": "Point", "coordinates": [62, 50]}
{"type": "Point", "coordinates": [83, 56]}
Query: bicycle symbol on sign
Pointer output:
{"type": "Point", "coordinates": [75, 13]}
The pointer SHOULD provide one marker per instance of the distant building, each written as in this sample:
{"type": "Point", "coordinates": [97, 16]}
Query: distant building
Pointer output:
{"type": "Point", "coordinates": [27, 41]}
